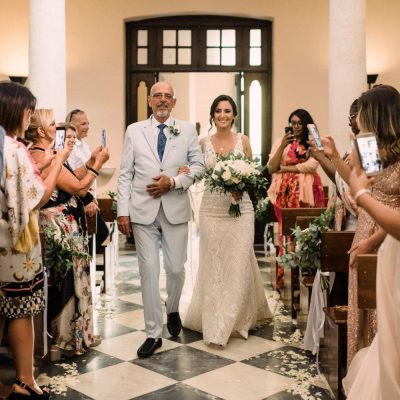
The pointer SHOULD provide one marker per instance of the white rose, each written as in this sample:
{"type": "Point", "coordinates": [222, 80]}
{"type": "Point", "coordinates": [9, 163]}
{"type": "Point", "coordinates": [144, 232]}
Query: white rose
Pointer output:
{"type": "Point", "coordinates": [226, 175]}
{"type": "Point", "coordinates": [235, 179]}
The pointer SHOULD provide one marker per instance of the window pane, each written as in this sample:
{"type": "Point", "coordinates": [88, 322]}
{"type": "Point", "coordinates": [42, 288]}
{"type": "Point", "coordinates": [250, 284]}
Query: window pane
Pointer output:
{"type": "Point", "coordinates": [255, 56]}
{"type": "Point", "coordinates": [255, 105]}
{"type": "Point", "coordinates": [142, 56]}
{"type": "Point", "coordinates": [184, 56]}
{"type": "Point", "coordinates": [169, 56]}
{"type": "Point", "coordinates": [228, 38]}
{"type": "Point", "coordinates": [169, 38]}
{"type": "Point", "coordinates": [184, 38]}
{"type": "Point", "coordinates": [213, 37]}
{"type": "Point", "coordinates": [228, 56]}
{"type": "Point", "coordinates": [142, 38]}
{"type": "Point", "coordinates": [255, 37]}
{"type": "Point", "coordinates": [213, 57]}
{"type": "Point", "coordinates": [142, 101]}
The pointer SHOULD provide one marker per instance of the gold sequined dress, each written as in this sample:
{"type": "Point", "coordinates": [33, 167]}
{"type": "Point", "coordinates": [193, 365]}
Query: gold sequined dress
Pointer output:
{"type": "Point", "coordinates": [386, 189]}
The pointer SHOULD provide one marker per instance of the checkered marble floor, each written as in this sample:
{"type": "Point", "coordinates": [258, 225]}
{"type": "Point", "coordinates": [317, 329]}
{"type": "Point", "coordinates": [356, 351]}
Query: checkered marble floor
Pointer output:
{"type": "Point", "coordinates": [267, 366]}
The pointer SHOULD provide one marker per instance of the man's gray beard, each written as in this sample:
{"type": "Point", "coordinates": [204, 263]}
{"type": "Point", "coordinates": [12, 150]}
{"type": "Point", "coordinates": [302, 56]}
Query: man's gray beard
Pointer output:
{"type": "Point", "coordinates": [162, 113]}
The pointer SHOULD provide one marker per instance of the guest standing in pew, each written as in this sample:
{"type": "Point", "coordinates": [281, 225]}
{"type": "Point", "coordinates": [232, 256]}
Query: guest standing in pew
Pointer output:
{"type": "Point", "coordinates": [346, 211]}
{"type": "Point", "coordinates": [22, 192]}
{"type": "Point", "coordinates": [295, 182]}
{"type": "Point", "coordinates": [377, 113]}
{"type": "Point", "coordinates": [79, 157]}
{"type": "Point", "coordinates": [374, 373]}
{"type": "Point", "coordinates": [70, 313]}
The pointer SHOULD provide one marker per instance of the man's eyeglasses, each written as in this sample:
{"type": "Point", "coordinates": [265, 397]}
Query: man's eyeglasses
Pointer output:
{"type": "Point", "coordinates": [159, 96]}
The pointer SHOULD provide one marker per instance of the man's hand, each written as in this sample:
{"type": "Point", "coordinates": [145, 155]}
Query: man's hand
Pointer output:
{"type": "Point", "coordinates": [161, 186]}
{"type": "Point", "coordinates": [91, 209]}
{"type": "Point", "coordinates": [124, 225]}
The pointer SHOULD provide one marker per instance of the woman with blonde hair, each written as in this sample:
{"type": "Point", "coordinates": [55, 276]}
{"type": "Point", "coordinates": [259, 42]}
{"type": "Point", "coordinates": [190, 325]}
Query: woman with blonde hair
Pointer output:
{"type": "Point", "coordinates": [63, 221]}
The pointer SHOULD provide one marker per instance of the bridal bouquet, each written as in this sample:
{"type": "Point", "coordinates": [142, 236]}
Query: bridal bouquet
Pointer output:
{"type": "Point", "coordinates": [235, 173]}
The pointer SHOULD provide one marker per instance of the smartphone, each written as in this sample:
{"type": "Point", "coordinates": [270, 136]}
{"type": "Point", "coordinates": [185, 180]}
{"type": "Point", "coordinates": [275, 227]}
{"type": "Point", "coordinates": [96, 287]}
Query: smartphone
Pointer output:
{"type": "Point", "coordinates": [367, 147]}
{"type": "Point", "coordinates": [314, 132]}
{"type": "Point", "coordinates": [289, 129]}
{"type": "Point", "coordinates": [60, 138]}
{"type": "Point", "coordinates": [103, 138]}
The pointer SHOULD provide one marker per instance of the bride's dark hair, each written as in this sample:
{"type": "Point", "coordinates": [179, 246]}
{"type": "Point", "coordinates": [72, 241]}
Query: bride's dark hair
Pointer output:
{"type": "Point", "coordinates": [214, 105]}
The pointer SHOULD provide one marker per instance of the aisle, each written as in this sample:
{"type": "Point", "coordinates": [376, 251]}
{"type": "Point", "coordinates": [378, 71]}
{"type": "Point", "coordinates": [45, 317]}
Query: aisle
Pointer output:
{"type": "Point", "coordinates": [269, 365]}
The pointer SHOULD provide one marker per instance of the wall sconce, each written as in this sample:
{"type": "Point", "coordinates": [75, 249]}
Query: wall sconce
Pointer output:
{"type": "Point", "coordinates": [18, 79]}
{"type": "Point", "coordinates": [371, 79]}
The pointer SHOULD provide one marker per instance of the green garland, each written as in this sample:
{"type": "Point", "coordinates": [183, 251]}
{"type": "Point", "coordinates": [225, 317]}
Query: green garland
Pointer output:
{"type": "Point", "coordinates": [306, 255]}
{"type": "Point", "coordinates": [113, 197]}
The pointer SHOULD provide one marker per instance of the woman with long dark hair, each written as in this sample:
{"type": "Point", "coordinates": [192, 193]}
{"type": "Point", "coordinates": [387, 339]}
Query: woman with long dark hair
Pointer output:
{"type": "Point", "coordinates": [295, 182]}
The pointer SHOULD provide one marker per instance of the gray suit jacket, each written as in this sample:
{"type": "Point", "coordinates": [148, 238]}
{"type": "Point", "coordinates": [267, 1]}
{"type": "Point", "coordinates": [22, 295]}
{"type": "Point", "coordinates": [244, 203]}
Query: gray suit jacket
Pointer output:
{"type": "Point", "coordinates": [140, 164]}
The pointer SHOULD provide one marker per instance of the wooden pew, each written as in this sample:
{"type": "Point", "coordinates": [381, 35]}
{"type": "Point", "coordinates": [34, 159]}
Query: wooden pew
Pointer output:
{"type": "Point", "coordinates": [292, 286]}
{"type": "Point", "coordinates": [333, 346]}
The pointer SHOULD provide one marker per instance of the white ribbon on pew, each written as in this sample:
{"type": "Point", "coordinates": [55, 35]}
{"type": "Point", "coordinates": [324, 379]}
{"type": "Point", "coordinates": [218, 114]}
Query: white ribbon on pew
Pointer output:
{"type": "Point", "coordinates": [316, 316]}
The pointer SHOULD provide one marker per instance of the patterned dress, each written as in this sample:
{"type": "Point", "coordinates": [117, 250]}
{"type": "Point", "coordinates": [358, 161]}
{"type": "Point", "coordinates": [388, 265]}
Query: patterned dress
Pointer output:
{"type": "Point", "coordinates": [294, 189]}
{"type": "Point", "coordinates": [21, 267]}
{"type": "Point", "coordinates": [385, 189]}
{"type": "Point", "coordinates": [70, 313]}
{"type": "Point", "coordinates": [228, 295]}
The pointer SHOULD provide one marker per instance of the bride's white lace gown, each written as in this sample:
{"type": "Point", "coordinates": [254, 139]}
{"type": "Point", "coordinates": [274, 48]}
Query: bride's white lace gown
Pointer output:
{"type": "Point", "coordinates": [228, 295]}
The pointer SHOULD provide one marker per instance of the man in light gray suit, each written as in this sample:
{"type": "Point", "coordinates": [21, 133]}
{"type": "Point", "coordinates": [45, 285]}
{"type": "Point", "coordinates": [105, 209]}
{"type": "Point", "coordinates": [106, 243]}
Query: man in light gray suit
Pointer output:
{"type": "Point", "coordinates": [154, 204]}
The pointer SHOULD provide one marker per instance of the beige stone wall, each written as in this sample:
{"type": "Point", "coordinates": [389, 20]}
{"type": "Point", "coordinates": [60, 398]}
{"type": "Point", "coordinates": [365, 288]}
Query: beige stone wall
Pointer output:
{"type": "Point", "coordinates": [96, 54]}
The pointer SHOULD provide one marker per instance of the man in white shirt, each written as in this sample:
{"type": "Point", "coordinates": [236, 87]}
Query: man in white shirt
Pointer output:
{"type": "Point", "coordinates": [79, 157]}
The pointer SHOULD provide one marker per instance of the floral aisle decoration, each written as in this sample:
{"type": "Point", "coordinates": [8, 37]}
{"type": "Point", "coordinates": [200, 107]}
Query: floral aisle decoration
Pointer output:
{"type": "Point", "coordinates": [235, 173]}
{"type": "Point", "coordinates": [306, 255]}
{"type": "Point", "coordinates": [113, 197]}
{"type": "Point", "coordinates": [262, 212]}
{"type": "Point", "coordinates": [62, 245]}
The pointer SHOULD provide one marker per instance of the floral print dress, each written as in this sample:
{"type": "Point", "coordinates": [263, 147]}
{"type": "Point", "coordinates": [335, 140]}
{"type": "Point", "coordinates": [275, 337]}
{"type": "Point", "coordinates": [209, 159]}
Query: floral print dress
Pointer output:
{"type": "Point", "coordinates": [294, 189]}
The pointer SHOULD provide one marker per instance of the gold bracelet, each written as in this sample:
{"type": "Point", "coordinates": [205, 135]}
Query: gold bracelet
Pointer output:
{"type": "Point", "coordinates": [359, 193]}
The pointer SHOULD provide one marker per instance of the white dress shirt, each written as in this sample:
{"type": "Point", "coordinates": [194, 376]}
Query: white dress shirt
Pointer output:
{"type": "Point", "coordinates": [79, 156]}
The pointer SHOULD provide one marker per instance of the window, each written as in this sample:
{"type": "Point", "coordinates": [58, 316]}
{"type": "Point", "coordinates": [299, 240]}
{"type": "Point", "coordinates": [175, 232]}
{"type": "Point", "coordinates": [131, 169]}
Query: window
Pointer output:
{"type": "Point", "coordinates": [221, 47]}
{"type": "Point", "coordinates": [177, 48]}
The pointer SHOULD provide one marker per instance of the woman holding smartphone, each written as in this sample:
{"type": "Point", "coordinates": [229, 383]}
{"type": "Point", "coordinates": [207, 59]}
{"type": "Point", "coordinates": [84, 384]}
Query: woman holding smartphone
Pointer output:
{"type": "Point", "coordinates": [375, 371]}
{"type": "Point", "coordinates": [295, 182]}
{"type": "Point", "coordinates": [70, 312]}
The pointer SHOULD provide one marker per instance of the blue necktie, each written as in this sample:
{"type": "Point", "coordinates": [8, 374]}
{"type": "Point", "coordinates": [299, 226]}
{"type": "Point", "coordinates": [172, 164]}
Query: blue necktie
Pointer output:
{"type": "Point", "coordinates": [162, 139]}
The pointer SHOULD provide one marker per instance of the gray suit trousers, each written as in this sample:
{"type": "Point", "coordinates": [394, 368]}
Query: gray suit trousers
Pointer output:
{"type": "Point", "coordinates": [172, 238]}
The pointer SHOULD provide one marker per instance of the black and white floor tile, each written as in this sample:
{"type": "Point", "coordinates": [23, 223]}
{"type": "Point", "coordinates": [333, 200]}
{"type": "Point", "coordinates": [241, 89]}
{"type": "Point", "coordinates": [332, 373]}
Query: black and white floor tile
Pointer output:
{"type": "Point", "coordinates": [267, 366]}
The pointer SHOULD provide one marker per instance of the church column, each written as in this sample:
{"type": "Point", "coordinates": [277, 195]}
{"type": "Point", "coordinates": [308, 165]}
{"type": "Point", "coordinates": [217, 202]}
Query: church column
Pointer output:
{"type": "Point", "coordinates": [47, 60]}
{"type": "Point", "coordinates": [347, 64]}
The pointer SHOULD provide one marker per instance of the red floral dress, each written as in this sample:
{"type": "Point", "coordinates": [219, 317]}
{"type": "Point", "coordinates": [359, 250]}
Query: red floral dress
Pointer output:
{"type": "Point", "coordinates": [295, 189]}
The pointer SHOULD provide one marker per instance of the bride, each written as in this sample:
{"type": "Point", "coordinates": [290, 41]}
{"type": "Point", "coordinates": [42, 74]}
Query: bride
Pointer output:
{"type": "Point", "coordinates": [228, 295]}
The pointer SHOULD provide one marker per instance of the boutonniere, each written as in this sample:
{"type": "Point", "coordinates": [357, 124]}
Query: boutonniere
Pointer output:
{"type": "Point", "coordinates": [174, 129]}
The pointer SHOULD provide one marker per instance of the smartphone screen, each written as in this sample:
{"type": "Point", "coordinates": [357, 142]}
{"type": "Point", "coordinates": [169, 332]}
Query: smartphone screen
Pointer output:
{"type": "Point", "coordinates": [60, 139]}
{"type": "Point", "coordinates": [103, 138]}
{"type": "Point", "coordinates": [314, 132]}
{"type": "Point", "coordinates": [369, 154]}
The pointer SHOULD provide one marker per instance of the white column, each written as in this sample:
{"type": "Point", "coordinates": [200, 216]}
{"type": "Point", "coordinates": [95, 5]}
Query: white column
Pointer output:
{"type": "Point", "coordinates": [47, 60]}
{"type": "Point", "coordinates": [347, 64]}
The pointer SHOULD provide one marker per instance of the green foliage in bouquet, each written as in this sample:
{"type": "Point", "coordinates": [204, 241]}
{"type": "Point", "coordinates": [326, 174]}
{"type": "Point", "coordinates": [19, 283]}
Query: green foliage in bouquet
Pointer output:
{"type": "Point", "coordinates": [235, 173]}
{"type": "Point", "coordinates": [59, 252]}
{"type": "Point", "coordinates": [306, 255]}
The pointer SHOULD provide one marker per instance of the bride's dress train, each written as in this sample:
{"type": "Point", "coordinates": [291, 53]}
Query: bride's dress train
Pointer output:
{"type": "Point", "coordinates": [374, 373]}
